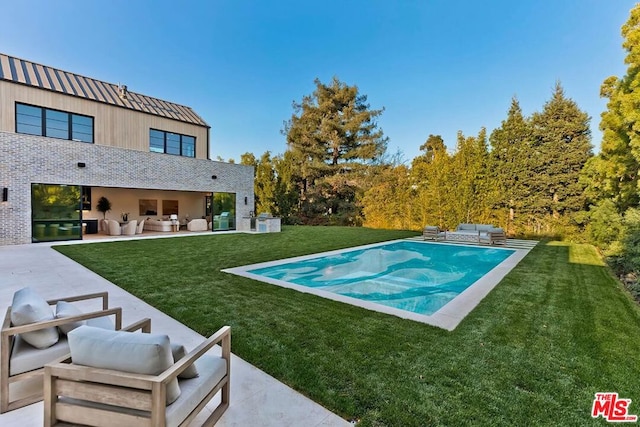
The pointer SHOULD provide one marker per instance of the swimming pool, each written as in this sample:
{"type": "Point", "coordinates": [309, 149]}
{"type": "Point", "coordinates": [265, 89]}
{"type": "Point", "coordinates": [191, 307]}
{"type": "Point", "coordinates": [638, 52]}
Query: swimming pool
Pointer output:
{"type": "Point", "coordinates": [411, 279]}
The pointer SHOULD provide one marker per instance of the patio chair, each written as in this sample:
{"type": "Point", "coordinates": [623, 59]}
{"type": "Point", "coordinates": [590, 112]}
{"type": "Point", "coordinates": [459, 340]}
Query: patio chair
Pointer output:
{"type": "Point", "coordinates": [21, 363]}
{"type": "Point", "coordinates": [121, 378]}
{"type": "Point", "coordinates": [497, 236]}
{"type": "Point", "coordinates": [431, 232]}
{"type": "Point", "coordinates": [140, 227]}
{"type": "Point", "coordinates": [129, 229]}
{"type": "Point", "coordinates": [114, 228]}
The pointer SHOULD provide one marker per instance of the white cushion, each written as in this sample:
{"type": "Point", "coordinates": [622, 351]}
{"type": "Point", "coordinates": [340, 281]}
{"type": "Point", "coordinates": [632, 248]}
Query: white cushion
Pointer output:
{"type": "Point", "coordinates": [25, 357]}
{"type": "Point", "coordinates": [213, 369]}
{"type": "Point", "coordinates": [123, 351]}
{"type": "Point", "coordinates": [65, 309]}
{"type": "Point", "coordinates": [103, 322]}
{"type": "Point", "coordinates": [29, 307]}
{"type": "Point", "coordinates": [179, 352]}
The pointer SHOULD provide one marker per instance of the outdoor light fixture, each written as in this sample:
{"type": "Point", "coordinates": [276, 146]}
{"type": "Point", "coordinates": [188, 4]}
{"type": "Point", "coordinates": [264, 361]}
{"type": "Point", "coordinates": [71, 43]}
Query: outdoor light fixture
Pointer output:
{"type": "Point", "coordinates": [214, 176]}
{"type": "Point", "coordinates": [5, 194]}
{"type": "Point", "coordinates": [81, 164]}
{"type": "Point", "coordinates": [246, 200]}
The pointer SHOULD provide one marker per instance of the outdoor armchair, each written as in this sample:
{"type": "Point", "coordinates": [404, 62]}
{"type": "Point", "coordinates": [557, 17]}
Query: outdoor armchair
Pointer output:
{"type": "Point", "coordinates": [432, 232]}
{"type": "Point", "coordinates": [114, 228]}
{"type": "Point", "coordinates": [129, 229]}
{"type": "Point", "coordinates": [22, 364]}
{"type": "Point", "coordinates": [81, 390]}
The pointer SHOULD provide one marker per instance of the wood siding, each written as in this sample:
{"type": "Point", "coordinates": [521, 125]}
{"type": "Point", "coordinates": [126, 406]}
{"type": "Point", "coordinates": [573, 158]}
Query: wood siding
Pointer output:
{"type": "Point", "coordinates": [113, 126]}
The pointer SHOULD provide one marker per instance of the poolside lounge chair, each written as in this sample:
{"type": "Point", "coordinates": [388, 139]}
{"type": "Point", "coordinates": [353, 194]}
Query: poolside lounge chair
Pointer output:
{"type": "Point", "coordinates": [494, 236]}
{"type": "Point", "coordinates": [27, 347]}
{"type": "Point", "coordinates": [432, 232]}
{"type": "Point", "coordinates": [132, 380]}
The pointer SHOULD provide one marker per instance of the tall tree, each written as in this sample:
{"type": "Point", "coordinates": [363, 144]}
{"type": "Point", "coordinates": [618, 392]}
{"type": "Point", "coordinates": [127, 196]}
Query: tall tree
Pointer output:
{"type": "Point", "coordinates": [332, 131]}
{"type": "Point", "coordinates": [613, 174]}
{"type": "Point", "coordinates": [470, 165]}
{"type": "Point", "coordinates": [509, 166]}
{"type": "Point", "coordinates": [561, 145]}
{"type": "Point", "coordinates": [286, 195]}
{"type": "Point", "coordinates": [431, 176]}
{"type": "Point", "coordinates": [265, 184]}
{"type": "Point", "coordinates": [389, 202]}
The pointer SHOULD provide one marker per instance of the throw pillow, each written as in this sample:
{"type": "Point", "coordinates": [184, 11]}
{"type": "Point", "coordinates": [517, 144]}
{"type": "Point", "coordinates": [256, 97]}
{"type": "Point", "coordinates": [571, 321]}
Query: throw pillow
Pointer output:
{"type": "Point", "coordinates": [65, 309]}
{"type": "Point", "coordinates": [29, 307]}
{"type": "Point", "coordinates": [179, 352]}
{"type": "Point", "coordinates": [123, 351]}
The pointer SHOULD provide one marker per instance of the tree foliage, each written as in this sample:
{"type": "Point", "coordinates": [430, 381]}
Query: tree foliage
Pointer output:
{"type": "Point", "coordinates": [509, 168]}
{"type": "Point", "coordinates": [332, 132]}
{"type": "Point", "coordinates": [560, 147]}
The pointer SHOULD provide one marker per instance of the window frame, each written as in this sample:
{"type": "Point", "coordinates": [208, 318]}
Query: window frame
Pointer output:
{"type": "Point", "coordinates": [69, 123]}
{"type": "Point", "coordinates": [165, 133]}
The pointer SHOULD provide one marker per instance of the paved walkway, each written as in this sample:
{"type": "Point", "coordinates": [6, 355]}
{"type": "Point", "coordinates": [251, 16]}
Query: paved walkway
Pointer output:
{"type": "Point", "coordinates": [257, 399]}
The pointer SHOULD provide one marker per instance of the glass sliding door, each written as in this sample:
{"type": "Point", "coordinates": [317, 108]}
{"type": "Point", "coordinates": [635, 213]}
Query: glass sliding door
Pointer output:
{"type": "Point", "coordinates": [224, 211]}
{"type": "Point", "coordinates": [55, 212]}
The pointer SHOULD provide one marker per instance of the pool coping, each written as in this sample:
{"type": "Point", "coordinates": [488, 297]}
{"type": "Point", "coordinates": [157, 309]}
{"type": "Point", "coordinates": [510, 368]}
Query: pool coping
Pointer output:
{"type": "Point", "coordinates": [447, 317]}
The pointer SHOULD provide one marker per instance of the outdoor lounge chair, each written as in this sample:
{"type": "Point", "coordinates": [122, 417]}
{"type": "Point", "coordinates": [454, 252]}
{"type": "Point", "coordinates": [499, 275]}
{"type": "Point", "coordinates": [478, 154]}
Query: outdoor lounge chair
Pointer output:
{"type": "Point", "coordinates": [101, 390]}
{"type": "Point", "coordinates": [432, 232]}
{"type": "Point", "coordinates": [21, 364]}
{"type": "Point", "coordinates": [494, 236]}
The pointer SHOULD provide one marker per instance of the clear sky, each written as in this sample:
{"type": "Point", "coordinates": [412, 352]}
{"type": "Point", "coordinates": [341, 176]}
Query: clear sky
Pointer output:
{"type": "Point", "coordinates": [436, 66]}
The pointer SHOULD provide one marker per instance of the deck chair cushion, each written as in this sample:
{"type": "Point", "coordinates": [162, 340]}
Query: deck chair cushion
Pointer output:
{"type": "Point", "coordinates": [29, 307]}
{"type": "Point", "coordinates": [123, 351]}
{"type": "Point", "coordinates": [65, 309]}
{"type": "Point", "coordinates": [179, 352]}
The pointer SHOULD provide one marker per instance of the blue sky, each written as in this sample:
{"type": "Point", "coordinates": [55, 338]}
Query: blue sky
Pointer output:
{"type": "Point", "coordinates": [436, 66]}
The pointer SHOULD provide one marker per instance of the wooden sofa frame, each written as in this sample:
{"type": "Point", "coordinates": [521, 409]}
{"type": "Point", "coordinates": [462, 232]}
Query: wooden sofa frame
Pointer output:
{"type": "Point", "coordinates": [126, 391]}
{"type": "Point", "coordinates": [8, 334]}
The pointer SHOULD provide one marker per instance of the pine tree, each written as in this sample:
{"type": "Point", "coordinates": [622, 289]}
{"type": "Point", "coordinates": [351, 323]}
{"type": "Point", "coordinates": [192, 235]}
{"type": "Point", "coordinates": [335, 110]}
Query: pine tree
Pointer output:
{"type": "Point", "coordinates": [509, 160]}
{"type": "Point", "coordinates": [561, 145]}
{"type": "Point", "coordinates": [333, 131]}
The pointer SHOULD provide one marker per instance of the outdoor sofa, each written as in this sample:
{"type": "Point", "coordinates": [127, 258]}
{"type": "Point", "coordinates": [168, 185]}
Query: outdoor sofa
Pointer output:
{"type": "Point", "coordinates": [477, 233]}
{"type": "Point", "coordinates": [158, 225]}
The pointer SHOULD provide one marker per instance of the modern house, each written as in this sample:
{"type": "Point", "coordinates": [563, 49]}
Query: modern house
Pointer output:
{"type": "Point", "coordinates": [67, 140]}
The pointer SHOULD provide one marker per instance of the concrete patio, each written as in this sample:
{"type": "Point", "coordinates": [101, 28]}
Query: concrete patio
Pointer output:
{"type": "Point", "coordinates": [257, 399]}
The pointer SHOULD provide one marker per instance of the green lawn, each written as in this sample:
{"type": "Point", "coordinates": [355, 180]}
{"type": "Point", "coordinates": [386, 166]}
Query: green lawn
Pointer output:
{"type": "Point", "coordinates": [555, 331]}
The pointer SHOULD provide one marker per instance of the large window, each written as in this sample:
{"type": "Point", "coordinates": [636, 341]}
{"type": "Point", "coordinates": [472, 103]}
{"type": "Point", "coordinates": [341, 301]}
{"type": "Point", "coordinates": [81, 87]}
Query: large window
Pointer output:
{"type": "Point", "coordinates": [224, 211]}
{"type": "Point", "coordinates": [53, 123]}
{"type": "Point", "coordinates": [55, 212]}
{"type": "Point", "coordinates": [172, 143]}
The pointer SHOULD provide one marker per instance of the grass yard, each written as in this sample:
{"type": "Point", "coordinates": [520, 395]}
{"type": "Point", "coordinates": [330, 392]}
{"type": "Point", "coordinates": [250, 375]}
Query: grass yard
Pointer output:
{"type": "Point", "coordinates": [554, 332]}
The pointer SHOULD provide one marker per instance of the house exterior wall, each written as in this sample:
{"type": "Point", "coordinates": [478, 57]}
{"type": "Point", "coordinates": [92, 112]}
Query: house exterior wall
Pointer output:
{"type": "Point", "coordinates": [113, 126]}
{"type": "Point", "coordinates": [28, 159]}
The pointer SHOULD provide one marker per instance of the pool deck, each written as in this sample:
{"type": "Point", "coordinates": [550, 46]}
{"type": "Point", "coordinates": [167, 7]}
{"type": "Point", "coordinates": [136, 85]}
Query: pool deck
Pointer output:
{"type": "Point", "coordinates": [257, 399]}
{"type": "Point", "coordinates": [448, 317]}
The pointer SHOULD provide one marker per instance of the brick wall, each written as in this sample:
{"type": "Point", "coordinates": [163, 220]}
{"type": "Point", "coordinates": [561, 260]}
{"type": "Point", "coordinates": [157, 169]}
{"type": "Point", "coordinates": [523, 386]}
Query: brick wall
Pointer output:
{"type": "Point", "coordinates": [26, 159]}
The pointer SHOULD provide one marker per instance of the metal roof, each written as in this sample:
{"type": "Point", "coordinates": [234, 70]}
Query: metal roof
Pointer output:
{"type": "Point", "coordinates": [29, 73]}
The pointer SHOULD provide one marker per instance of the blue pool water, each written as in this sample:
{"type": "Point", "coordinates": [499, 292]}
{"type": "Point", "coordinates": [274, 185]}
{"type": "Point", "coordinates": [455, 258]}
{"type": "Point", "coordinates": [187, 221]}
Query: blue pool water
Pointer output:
{"type": "Point", "coordinates": [412, 276]}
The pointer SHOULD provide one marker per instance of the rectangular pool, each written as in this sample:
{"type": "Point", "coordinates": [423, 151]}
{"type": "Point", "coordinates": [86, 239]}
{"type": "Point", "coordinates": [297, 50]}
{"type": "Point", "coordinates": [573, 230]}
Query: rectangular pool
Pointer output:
{"type": "Point", "coordinates": [410, 279]}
